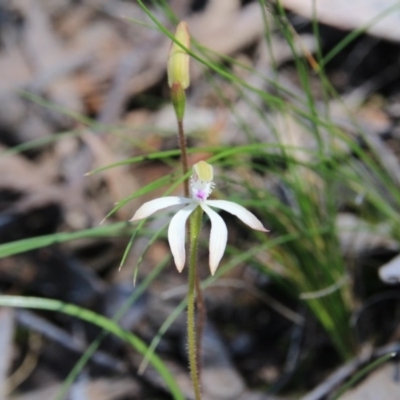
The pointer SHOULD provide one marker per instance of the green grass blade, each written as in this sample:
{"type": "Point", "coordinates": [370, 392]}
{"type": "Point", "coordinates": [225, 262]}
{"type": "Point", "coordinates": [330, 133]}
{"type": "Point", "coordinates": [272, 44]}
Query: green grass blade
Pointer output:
{"type": "Point", "coordinates": [21, 246]}
{"type": "Point", "coordinates": [359, 375]}
{"type": "Point", "coordinates": [100, 321]}
{"type": "Point", "coordinates": [139, 290]}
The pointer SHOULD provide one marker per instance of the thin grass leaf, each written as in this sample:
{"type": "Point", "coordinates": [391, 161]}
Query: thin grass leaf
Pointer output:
{"type": "Point", "coordinates": [21, 246]}
{"type": "Point", "coordinates": [359, 375]}
{"type": "Point", "coordinates": [98, 320]}
{"type": "Point", "coordinates": [84, 359]}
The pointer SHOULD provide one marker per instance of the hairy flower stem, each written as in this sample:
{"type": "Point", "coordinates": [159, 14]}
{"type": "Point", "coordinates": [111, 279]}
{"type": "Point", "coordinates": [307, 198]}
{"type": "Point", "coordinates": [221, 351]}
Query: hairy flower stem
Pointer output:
{"type": "Point", "coordinates": [195, 226]}
{"type": "Point", "coordinates": [201, 319]}
{"type": "Point", "coordinates": [199, 297]}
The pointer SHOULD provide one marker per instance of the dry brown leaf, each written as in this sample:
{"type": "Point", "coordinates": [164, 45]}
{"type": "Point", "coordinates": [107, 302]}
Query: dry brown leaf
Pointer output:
{"type": "Point", "coordinates": [99, 389]}
{"type": "Point", "coordinates": [357, 236]}
{"type": "Point", "coordinates": [21, 175]}
{"type": "Point", "coordinates": [228, 29]}
{"type": "Point", "coordinates": [39, 39]}
{"type": "Point", "coordinates": [14, 69]}
{"type": "Point", "coordinates": [354, 14]}
{"type": "Point", "coordinates": [120, 181]}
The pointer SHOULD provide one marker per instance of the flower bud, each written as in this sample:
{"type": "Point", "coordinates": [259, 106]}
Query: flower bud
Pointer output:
{"type": "Point", "coordinates": [178, 60]}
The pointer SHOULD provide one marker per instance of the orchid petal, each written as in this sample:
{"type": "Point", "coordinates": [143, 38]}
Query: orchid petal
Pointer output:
{"type": "Point", "coordinates": [152, 206]}
{"type": "Point", "coordinates": [176, 235]}
{"type": "Point", "coordinates": [218, 237]}
{"type": "Point", "coordinates": [239, 211]}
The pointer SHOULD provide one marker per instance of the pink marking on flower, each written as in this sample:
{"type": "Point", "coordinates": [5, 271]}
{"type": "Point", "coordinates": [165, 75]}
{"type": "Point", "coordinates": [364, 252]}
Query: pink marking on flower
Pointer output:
{"type": "Point", "coordinates": [201, 194]}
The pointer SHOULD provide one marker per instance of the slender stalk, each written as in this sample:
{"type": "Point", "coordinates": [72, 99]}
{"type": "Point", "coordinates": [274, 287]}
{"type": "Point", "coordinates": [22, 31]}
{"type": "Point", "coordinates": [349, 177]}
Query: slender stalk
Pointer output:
{"type": "Point", "coordinates": [199, 298]}
{"type": "Point", "coordinates": [201, 319]}
{"type": "Point", "coordinates": [184, 157]}
{"type": "Point", "coordinates": [195, 225]}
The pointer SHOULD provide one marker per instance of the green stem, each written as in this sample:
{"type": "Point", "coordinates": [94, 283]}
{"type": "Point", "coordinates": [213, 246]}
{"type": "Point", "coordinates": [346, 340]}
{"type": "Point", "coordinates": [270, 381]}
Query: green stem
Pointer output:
{"type": "Point", "coordinates": [195, 226]}
{"type": "Point", "coordinates": [201, 308]}
{"type": "Point", "coordinates": [184, 157]}
{"type": "Point", "coordinates": [201, 319]}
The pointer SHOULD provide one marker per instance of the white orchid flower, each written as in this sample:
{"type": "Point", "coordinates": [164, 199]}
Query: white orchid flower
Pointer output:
{"type": "Point", "coordinates": [201, 186]}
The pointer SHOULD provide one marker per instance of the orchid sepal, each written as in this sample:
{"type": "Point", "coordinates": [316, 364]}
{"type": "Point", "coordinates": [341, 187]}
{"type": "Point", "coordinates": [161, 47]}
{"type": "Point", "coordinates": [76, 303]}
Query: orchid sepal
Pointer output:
{"type": "Point", "coordinates": [152, 206]}
{"type": "Point", "coordinates": [201, 185]}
